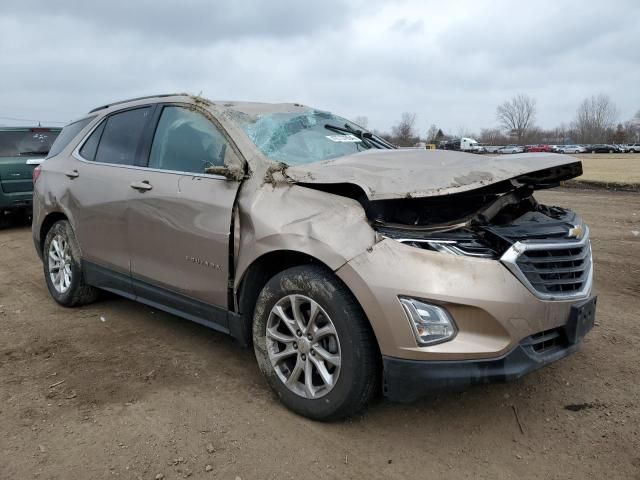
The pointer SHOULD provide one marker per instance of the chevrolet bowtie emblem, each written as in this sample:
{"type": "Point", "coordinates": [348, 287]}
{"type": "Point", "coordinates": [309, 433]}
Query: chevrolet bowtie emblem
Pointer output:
{"type": "Point", "coordinates": [576, 232]}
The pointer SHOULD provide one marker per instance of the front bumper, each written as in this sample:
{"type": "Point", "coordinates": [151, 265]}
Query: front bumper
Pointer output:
{"type": "Point", "coordinates": [407, 380]}
{"type": "Point", "coordinates": [492, 309]}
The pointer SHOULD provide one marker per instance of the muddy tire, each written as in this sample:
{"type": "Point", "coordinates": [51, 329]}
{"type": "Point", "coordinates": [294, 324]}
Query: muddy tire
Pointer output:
{"type": "Point", "coordinates": [63, 267]}
{"type": "Point", "coordinates": [314, 344]}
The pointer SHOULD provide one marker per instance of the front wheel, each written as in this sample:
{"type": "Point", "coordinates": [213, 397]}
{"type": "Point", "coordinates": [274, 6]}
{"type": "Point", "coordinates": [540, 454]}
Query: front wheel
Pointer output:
{"type": "Point", "coordinates": [63, 267]}
{"type": "Point", "coordinates": [314, 344]}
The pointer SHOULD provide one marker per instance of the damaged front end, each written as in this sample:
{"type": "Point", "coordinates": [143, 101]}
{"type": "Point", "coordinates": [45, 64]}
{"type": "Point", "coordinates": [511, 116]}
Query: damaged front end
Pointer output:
{"type": "Point", "coordinates": [475, 286]}
{"type": "Point", "coordinates": [546, 247]}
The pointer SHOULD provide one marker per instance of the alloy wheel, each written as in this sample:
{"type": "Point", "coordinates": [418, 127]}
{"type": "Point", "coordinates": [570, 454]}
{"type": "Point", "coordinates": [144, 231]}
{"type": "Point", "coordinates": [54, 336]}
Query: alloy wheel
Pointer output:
{"type": "Point", "coordinates": [59, 258]}
{"type": "Point", "coordinates": [303, 346]}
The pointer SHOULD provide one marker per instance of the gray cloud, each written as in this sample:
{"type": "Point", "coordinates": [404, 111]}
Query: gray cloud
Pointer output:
{"type": "Point", "coordinates": [451, 64]}
{"type": "Point", "coordinates": [192, 21]}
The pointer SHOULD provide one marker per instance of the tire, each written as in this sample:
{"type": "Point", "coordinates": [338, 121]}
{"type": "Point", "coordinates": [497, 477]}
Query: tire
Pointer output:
{"type": "Point", "coordinates": [610, 151]}
{"type": "Point", "coordinates": [350, 383]}
{"type": "Point", "coordinates": [66, 282]}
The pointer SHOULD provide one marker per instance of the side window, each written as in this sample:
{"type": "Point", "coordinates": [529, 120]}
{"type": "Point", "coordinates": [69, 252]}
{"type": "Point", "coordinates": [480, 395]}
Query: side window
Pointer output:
{"type": "Point", "coordinates": [121, 136]}
{"type": "Point", "coordinates": [68, 133]}
{"type": "Point", "coordinates": [90, 147]}
{"type": "Point", "coordinates": [186, 141]}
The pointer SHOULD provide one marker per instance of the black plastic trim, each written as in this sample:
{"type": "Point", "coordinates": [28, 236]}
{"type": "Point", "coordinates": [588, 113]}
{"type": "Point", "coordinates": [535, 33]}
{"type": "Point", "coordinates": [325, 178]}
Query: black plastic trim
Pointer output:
{"type": "Point", "coordinates": [408, 380]}
{"type": "Point", "coordinates": [211, 316]}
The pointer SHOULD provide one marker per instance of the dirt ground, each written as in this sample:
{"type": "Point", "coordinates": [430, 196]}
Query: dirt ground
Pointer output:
{"type": "Point", "coordinates": [118, 390]}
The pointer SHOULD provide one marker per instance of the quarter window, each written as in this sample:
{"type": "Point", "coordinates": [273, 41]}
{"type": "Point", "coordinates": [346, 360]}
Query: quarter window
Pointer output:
{"type": "Point", "coordinates": [68, 133]}
{"type": "Point", "coordinates": [186, 141]}
{"type": "Point", "coordinates": [120, 137]}
{"type": "Point", "coordinates": [90, 147]}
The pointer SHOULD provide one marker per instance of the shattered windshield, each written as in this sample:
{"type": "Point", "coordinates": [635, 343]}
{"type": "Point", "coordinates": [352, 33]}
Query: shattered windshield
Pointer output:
{"type": "Point", "coordinates": [312, 136]}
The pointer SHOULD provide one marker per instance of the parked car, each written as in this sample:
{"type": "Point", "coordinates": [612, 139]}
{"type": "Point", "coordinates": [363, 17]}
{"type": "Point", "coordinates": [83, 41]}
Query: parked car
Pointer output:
{"type": "Point", "coordinates": [538, 148]}
{"type": "Point", "coordinates": [570, 149]}
{"type": "Point", "coordinates": [21, 149]}
{"type": "Point", "coordinates": [622, 148]}
{"type": "Point", "coordinates": [492, 148]}
{"type": "Point", "coordinates": [634, 147]}
{"type": "Point", "coordinates": [511, 149]}
{"type": "Point", "coordinates": [295, 231]}
{"type": "Point", "coordinates": [602, 148]}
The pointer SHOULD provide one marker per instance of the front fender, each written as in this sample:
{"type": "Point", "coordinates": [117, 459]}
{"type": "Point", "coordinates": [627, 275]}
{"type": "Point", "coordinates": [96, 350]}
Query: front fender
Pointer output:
{"type": "Point", "coordinates": [330, 228]}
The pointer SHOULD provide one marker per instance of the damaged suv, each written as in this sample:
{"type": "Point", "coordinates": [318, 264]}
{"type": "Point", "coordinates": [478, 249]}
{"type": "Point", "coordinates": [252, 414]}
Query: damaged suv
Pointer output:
{"type": "Point", "coordinates": [350, 266]}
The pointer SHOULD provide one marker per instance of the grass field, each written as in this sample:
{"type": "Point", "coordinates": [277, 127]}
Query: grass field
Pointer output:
{"type": "Point", "coordinates": [611, 168]}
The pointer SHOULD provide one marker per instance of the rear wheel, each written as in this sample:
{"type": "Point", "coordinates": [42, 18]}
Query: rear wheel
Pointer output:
{"type": "Point", "coordinates": [63, 267]}
{"type": "Point", "coordinates": [314, 344]}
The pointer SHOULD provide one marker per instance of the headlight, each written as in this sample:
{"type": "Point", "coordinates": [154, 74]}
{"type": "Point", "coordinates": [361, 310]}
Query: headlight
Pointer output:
{"type": "Point", "coordinates": [431, 323]}
{"type": "Point", "coordinates": [469, 248]}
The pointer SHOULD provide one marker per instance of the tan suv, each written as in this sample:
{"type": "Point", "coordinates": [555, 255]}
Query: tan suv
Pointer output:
{"type": "Point", "coordinates": [350, 265]}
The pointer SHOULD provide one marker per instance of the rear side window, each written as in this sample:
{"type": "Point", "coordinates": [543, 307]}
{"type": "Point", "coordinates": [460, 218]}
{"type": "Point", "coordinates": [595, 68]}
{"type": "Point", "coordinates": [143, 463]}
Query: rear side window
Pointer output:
{"type": "Point", "coordinates": [186, 141]}
{"type": "Point", "coordinates": [67, 134]}
{"type": "Point", "coordinates": [121, 136]}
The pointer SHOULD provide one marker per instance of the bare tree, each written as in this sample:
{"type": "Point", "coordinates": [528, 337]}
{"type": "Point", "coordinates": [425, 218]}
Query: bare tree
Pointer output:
{"type": "Point", "coordinates": [463, 131]}
{"type": "Point", "coordinates": [517, 115]}
{"type": "Point", "coordinates": [493, 136]}
{"type": "Point", "coordinates": [595, 119]}
{"type": "Point", "coordinates": [432, 133]}
{"type": "Point", "coordinates": [404, 134]}
{"type": "Point", "coordinates": [632, 128]}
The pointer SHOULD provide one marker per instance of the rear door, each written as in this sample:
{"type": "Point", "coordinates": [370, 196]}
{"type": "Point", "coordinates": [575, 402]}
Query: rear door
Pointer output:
{"type": "Point", "coordinates": [179, 224]}
{"type": "Point", "coordinates": [100, 179]}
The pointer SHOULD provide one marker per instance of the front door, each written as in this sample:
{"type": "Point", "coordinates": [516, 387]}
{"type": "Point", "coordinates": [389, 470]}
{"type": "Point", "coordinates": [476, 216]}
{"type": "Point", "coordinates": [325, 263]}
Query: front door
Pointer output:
{"type": "Point", "coordinates": [179, 227]}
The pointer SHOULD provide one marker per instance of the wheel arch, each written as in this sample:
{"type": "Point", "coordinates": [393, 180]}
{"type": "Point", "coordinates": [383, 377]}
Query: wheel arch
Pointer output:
{"type": "Point", "coordinates": [265, 267]}
{"type": "Point", "coordinates": [48, 222]}
{"type": "Point", "coordinates": [261, 270]}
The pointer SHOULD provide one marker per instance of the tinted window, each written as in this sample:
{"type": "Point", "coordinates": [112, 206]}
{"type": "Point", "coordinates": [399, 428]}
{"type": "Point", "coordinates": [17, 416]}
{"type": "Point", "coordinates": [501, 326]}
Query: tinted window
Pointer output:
{"type": "Point", "coordinates": [186, 141]}
{"type": "Point", "coordinates": [26, 141]}
{"type": "Point", "coordinates": [67, 134]}
{"type": "Point", "coordinates": [121, 136]}
{"type": "Point", "coordinates": [90, 147]}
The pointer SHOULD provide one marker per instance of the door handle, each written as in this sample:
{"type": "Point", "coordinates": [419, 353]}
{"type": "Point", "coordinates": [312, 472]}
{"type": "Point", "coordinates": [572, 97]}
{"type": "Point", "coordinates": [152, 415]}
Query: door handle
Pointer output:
{"type": "Point", "coordinates": [72, 174]}
{"type": "Point", "coordinates": [141, 186]}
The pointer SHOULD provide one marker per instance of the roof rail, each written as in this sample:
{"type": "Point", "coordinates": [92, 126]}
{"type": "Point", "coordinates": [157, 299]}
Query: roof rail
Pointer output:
{"type": "Point", "coordinates": [134, 99]}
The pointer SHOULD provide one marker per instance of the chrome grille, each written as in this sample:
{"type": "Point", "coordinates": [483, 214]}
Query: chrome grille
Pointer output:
{"type": "Point", "coordinates": [553, 270]}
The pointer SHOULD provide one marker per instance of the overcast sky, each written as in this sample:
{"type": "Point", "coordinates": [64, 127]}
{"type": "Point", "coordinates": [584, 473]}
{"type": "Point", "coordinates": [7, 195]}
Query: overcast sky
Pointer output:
{"type": "Point", "coordinates": [451, 62]}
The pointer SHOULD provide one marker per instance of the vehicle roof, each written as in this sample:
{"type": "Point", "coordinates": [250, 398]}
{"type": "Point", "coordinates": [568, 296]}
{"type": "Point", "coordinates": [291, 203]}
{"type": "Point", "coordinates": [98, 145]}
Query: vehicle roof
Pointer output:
{"type": "Point", "coordinates": [243, 107]}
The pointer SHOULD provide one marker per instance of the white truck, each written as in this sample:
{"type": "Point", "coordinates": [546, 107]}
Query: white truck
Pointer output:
{"type": "Point", "coordinates": [463, 144]}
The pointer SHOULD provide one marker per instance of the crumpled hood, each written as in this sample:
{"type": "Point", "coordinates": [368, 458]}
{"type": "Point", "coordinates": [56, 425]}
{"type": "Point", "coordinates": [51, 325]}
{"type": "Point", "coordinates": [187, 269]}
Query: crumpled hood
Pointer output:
{"type": "Point", "coordinates": [389, 174]}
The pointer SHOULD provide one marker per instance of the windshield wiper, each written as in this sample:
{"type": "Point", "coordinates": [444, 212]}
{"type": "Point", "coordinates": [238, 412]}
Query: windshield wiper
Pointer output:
{"type": "Point", "coordinates": [367, 138]}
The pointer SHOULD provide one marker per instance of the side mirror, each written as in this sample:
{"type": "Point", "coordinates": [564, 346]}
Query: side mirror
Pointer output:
{"type": "Point", "coordinates": [235, 174]}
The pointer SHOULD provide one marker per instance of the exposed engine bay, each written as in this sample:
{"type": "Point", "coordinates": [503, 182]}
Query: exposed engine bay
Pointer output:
{"type": "Point", "coordinates": [482, 223]}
